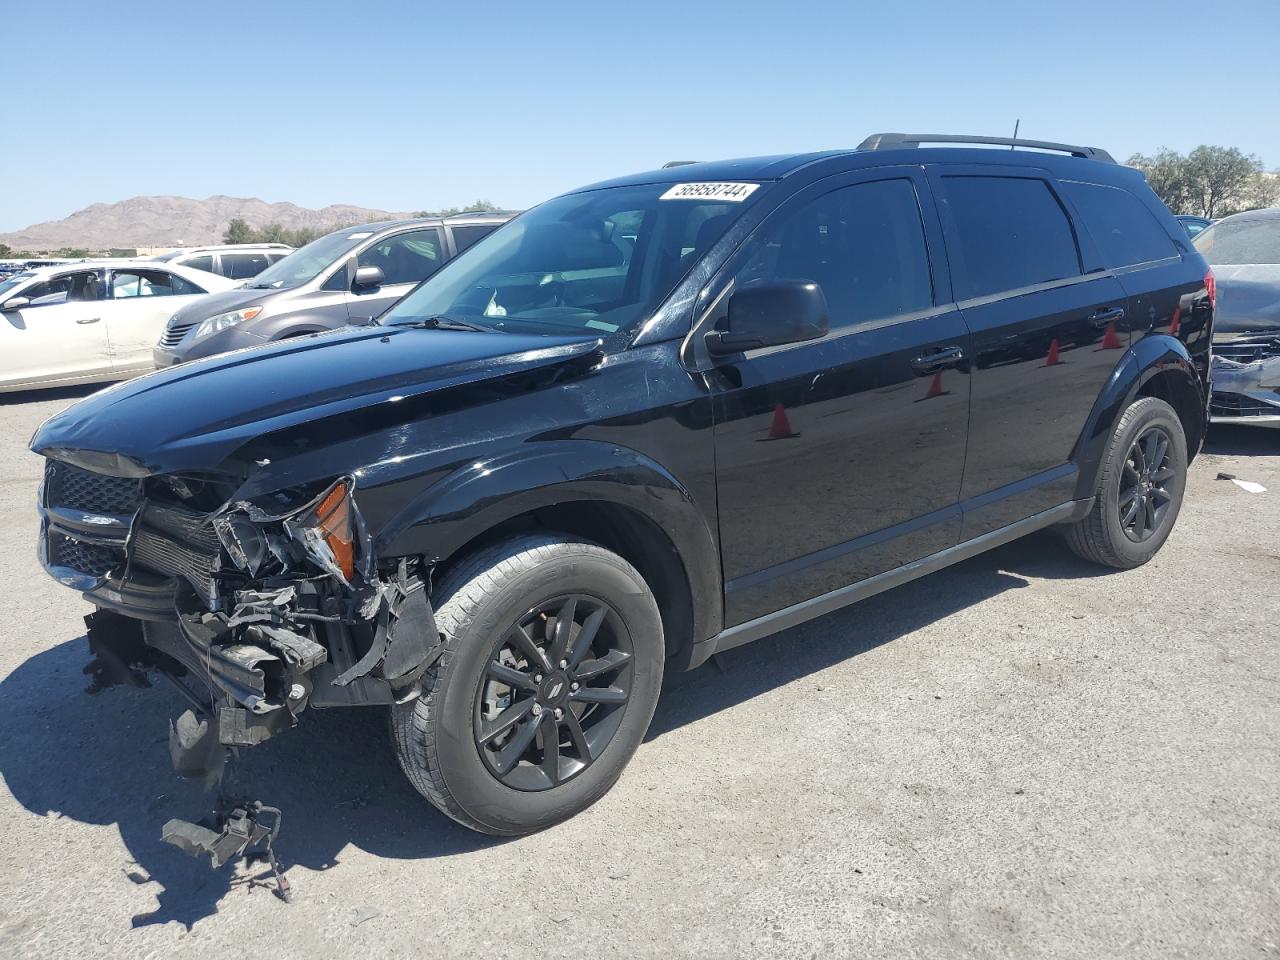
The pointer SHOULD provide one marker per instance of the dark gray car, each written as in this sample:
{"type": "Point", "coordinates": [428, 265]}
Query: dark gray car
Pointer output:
{"type": "Point", "coordinates": [348, 276]}
{"type": "Point", "coordinates": [1244, 252]}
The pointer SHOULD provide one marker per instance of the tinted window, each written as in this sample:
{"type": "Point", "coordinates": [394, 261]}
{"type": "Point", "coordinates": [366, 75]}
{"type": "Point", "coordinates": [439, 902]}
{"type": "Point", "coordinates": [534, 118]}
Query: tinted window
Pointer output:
{"type": "Point", "coordinates": [1125, 231]}
{"type": "Point", "coordinates": [465, 236]}
{"type": "Point", "coordinates": [863, 244]}
{"type": "Point", "coordinates": [1011, 233]}
{"type": "Point", "coordinates": [1241, 241]}
{"type": "Point", "coordinates": [242, 266]}
{"type": "Point", "coordinates": [338, 279]}
{"type": "Point", "coordinates": [127, 284]}
{"type": "Point", "coordinates": [184, 288]}
{"type": "Point", "coordinates": [204, 263]}
{"type": "Point", "coordinates": [406, 257]}
{"type": "Point", "coordinates": [67, 288]}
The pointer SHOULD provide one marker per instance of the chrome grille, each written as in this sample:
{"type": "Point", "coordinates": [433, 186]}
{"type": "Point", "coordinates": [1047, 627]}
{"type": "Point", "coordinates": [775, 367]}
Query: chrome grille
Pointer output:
{"type": "Point", "coordinates": [174, 332]}
{"type": "Point", "coordinates": [84, 557]}
{"type": "Point", "coordinates": [68, 486]}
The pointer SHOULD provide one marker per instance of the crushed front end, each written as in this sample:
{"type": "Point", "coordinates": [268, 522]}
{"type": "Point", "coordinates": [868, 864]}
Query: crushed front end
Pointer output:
{"type": "Point", "coordinates": [1246, 381]}
{"type": "Point", "coordinates": [258, 608]}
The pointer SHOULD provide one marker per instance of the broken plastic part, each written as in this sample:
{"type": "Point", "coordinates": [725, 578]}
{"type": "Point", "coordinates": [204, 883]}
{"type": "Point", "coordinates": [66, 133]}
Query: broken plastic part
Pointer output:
{"type": "Point", "coordinates": [233, 832]}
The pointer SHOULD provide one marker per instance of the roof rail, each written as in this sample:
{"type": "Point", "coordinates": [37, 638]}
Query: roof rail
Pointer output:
{"type": "Point", "coordinates": [896, 141]}
{"type": "Point", "coordinates": [677, 163]}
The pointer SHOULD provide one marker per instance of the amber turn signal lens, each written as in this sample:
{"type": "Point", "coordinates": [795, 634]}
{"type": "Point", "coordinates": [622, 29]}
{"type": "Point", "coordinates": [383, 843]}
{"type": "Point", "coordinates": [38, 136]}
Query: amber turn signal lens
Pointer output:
{"type": "Point", "coordinates": [333, 517]}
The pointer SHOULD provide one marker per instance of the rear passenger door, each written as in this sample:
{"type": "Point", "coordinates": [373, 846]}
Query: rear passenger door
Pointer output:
{"type": "Point", "coordinates": [1048, 325]}
{"type": "Point", "coordinates": [840, 458]}
{"type": "Point", "coordinates": [141, 303]}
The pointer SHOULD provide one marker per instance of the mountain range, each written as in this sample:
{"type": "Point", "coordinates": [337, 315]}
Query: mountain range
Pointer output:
{"type": "Point", "coordinates": [178, 221]}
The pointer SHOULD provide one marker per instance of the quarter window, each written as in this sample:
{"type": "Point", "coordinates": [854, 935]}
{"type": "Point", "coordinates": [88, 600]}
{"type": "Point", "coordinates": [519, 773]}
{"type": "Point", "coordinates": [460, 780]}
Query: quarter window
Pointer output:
{"type": "Point", "coordinates": [863, 244]}
{"type": "Point", "coordinates": [406, 257]}
{"type": "Point", "coordinates": [1125, 231]}
{"type": "Point", "coordinates": [1011, 232]}
{"type": "Point", "coordinates": [204, 263]}
{"type": "Point", "coordinates": [465, 236]}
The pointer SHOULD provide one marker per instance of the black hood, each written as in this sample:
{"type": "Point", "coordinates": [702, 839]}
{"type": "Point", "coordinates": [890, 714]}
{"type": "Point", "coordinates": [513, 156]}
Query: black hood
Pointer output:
{"type": "Point", "coordinates": [194, 416]}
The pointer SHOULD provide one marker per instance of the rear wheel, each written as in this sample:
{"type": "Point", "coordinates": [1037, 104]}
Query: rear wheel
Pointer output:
{"type": "Point", "coordinates": [1140, 488]}
{"type": "Point", "coordinates": [551, 671]}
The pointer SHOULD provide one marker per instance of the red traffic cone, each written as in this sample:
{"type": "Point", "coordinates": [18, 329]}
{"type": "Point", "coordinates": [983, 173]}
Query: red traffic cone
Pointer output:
{"type": "Point", "coordinates": [1176, 321]}
{"type": "Point", "coordinates": [1052, 359]}
{"type": "Point", "coordinates": [780, 429]}
{"type": "Point", "coordinates": [1110, 339]}
{"type": "Point", "coordinates": [935, 388]}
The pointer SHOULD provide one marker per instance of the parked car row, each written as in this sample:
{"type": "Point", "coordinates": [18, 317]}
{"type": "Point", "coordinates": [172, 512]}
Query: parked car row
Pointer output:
{"type": "Point", "coordinates": [239, 261]}
{"type": "Point", "coordinates": [646, 421]}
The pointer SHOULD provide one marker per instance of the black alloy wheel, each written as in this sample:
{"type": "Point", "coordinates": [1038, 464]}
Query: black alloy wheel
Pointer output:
{"type": "Point", "coordinates": [554, 692]}
{"type": "Point", "coordinates": [1144, 498]}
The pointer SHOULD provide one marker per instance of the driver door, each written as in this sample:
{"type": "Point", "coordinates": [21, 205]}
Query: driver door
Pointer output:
{"type": "Point", "coordinates": [841, 458]}
{"type": "Point", "coordinates": [59, 337]}
{"type": "Point", "coordinates": [405, 259]}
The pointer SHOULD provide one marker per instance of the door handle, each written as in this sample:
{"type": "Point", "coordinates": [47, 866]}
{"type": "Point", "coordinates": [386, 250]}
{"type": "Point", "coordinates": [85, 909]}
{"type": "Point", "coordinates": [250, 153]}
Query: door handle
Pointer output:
{"type": "Point", "coordinates": [1104, 317]}
{"type": "Point", "coordinates": [91, 320]}
{"type": "Point", "coordinates": [939, 359]}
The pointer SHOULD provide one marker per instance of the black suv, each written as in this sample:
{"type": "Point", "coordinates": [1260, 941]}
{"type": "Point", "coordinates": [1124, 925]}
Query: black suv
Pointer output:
{"type": "Point", "coordinates": [645, 422]}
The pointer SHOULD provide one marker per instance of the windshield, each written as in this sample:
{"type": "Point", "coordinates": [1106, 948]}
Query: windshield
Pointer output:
{"type": "Point", "coordinates": [1240, 241]}
{"type": "Point", "coordinates": [601, 260]}
{"type": "Point", "coordinates": [305, 264]}
{"type": "Point", "coordinates": [16, 280]}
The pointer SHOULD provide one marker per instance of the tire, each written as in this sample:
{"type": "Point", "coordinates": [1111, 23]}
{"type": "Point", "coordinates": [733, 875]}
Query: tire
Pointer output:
{"type": "Point", "coordinates": [479, 605]}
{"type": "Point", "coordinates": [1101, 536]}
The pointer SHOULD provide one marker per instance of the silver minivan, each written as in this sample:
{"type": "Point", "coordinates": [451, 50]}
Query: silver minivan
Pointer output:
{"type": "Point", "coordinates": [348, 276]}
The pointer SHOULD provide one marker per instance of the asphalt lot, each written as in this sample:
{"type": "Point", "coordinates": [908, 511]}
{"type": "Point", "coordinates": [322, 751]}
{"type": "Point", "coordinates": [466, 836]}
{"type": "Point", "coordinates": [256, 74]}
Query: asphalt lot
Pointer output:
{"type": "Point", "coordinates": [1019, 757]}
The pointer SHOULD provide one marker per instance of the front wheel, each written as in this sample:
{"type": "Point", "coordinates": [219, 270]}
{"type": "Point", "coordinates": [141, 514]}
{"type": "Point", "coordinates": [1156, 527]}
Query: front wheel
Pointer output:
{"type": "Point", "coordinates": [551, 672]}
{"type": "Point", "coordinates": [1140, 487]}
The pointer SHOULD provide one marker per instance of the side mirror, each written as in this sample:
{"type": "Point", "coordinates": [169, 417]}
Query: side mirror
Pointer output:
{"type": "Point", "coordinates": [16, 303]}
{"type": "Point", "coordinates": [771, 313]}
{"type": "Point", "coordinates": [367, 278]}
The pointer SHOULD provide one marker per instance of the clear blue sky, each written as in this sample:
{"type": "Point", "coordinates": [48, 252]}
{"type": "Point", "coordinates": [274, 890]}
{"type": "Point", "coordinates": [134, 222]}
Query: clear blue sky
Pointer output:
{"type": "Point", "coordinates": [423, 105]}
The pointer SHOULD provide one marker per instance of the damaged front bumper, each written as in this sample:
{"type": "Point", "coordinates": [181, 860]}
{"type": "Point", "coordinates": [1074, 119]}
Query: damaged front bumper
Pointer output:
{"type": "Point", "coordinates": [1246, 383]}
{"type": "Point", "coordinates": [264, 611]}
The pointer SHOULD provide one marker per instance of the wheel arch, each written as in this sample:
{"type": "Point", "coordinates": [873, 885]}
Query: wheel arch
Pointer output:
{"type": "Point", "coordinates": [1155, 366]}
{"type": "Point", "coordinates": [612, 495]}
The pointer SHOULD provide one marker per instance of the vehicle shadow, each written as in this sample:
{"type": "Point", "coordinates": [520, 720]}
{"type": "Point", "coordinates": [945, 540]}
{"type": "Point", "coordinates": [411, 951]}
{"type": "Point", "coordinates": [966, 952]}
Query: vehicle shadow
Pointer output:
{"type": "Point", "coordinates": [1231, 440]}
{"type": "Point", "coordinates": [102, 758]}
{"type": "Point", "coordinates": [78, 392]}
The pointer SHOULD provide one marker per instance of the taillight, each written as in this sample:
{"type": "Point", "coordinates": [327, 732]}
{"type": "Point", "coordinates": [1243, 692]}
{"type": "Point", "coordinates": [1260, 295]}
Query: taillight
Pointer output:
{"type": "Point", "coordinates": [1211, 287]}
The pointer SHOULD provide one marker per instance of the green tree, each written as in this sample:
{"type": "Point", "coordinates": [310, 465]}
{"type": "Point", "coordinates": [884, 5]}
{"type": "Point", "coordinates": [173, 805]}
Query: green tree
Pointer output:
{"type": "Point", "coordinates": [238, 232]}
{"type": "Point", "coordinates": [1209, 181]}
{"type": "Point", "coordinates": [5, 251]}
{"type": "Point", "coordinates": [477, 206]}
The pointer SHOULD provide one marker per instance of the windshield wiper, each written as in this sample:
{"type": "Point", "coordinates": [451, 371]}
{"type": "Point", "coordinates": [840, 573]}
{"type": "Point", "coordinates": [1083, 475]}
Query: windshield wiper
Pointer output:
{"type": "Point", "coordinates": [444, 322]}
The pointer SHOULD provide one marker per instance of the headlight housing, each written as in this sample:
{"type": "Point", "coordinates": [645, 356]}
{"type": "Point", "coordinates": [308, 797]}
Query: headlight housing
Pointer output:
{"type": "Point", "coordinates": [223, 321]}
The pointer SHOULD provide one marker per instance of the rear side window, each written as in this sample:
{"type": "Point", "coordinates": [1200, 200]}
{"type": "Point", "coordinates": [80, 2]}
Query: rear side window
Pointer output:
{"type": "Point", "coordinates": [863, 244]}
{"type": "Point", "coordinates": [1125, 231]}
{"type": "Point", "coordinates": [204, 263]}
{"type": "Point", "coordinates": [465, 236]}
{"type": "Point", "coordinates": [1012, 233]}
{"type": "Point", "coordinates": [242, 266]}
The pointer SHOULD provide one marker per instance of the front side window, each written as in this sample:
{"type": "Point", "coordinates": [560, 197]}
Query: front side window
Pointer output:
{"type": "Point", "coordinates": [1250, 240]}
{"type": "Point", "coordinates": [66, 288]}
{"type": "Point", "coordinates": [1011, 232]}
{"type": "Point", "coordinates": [1125, 231]}
{"type": "Point", "coordinates": [864, 245]}
{"type": "Point", "coordinates": [601, 260]}
{"type": "Point", "coordinates": [405, 257]}
{"type": "Point", "coordinates": [127, 284]}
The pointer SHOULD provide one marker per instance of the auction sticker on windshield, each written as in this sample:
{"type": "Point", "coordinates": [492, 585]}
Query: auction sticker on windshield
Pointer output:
{"type": "Point", "coordinates": [733, 192]}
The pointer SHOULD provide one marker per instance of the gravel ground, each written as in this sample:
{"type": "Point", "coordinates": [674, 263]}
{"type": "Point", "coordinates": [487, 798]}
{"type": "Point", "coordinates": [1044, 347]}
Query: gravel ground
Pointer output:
{"type": "Point", "coordinates": [1019, 757]}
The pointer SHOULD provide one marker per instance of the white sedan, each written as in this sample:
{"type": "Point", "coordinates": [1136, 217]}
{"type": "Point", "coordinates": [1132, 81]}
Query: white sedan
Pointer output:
{"type": "Point", "coordinates": [90, 322]}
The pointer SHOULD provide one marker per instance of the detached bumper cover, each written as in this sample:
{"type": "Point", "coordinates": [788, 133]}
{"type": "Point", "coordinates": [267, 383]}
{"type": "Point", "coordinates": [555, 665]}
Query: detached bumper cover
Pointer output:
{"type": "Point", "coordinates": [1246, 384]}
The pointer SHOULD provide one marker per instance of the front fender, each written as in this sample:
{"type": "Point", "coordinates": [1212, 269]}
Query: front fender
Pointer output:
{"type": "Point", "coordinates": [1153, 355]}
{"type": "Point", "coordinates": [481, 495]}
